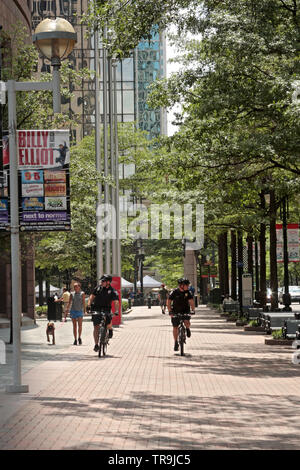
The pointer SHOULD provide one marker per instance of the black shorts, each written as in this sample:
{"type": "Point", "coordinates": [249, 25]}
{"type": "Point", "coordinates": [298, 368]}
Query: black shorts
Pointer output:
{"type": "Point", "coordinates": [176, 319]}
{"type": "Point", "coordinates": [96, 318]}
{"type": "Point", "coordinates": [163, 302]}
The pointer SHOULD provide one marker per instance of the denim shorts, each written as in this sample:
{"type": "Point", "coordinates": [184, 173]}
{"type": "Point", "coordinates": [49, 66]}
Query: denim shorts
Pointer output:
{"type": "Point", "coordinates": [76, 314]}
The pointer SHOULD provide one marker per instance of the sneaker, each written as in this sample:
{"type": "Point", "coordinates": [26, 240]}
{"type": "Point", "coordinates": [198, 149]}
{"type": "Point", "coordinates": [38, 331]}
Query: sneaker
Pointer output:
{"type": "Point", "coordinates": [188, 332]}
{"type": "Point", "coordinates": [110, 333]}
{"type": "Point", "coordinates": [79, 341]}
{"type": "Point", "coordinates": [75, 342]}
{"type": "Point", "coordinates": [176, 346]}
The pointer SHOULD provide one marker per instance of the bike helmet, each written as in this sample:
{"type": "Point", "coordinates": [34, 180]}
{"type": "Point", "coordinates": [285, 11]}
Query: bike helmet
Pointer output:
{"type": "Point", "coordinates": [183, 280]}
{"type": "Point", "coordinates": [106, 277]}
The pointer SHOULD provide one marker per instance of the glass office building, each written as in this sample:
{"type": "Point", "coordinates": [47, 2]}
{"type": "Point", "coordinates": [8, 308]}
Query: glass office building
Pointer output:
{"type": "Point", "coordinates": [134, 74]}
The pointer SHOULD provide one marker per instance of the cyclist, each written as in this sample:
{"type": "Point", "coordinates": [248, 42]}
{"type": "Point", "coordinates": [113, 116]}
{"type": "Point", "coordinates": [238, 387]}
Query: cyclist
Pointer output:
{"type": "Point", "coordinates": [101, 300]}
{"type": "Point", "coordinates": [181, 301]}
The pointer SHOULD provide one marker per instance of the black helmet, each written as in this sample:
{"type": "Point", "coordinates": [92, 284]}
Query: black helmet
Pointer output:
{"type": "Point", "coordinates": [183, 280]}
{"type": "Point", "coordinates": [106, 277]}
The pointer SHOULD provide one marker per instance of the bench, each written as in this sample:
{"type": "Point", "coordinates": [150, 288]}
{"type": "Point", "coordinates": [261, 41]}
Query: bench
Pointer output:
{"type": "Point", "coordinates": [290, 328]}
{"type": "Point", "coordinates": [275, 320]}
{"type": "Point", "coordinates": [253, 313]}
{"type": "Point", "coordinates": [231, 307]}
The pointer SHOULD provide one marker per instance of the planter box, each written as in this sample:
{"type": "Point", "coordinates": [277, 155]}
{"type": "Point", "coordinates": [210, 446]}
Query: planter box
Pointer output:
{"type": "Point", "coordinates": [240, 323]}
{"type": "Point", "coordinates": [254, 328]}
{"type": "Point", "coordinates": [279, 342]}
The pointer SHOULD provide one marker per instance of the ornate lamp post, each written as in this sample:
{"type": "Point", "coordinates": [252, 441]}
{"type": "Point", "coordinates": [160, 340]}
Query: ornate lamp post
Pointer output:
{"type": "Point", "coordinates": [55, 39]}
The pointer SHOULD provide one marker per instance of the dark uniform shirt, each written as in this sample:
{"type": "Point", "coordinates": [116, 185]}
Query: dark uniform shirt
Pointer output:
{"type": "Point", "coordinates": [180, 300]}
{"type": "Point", "coordinates": [103, 298]}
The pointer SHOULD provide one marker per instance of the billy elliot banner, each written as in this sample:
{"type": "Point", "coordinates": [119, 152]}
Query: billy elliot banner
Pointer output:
{"type": "Point", "coordinates": [44, 182]}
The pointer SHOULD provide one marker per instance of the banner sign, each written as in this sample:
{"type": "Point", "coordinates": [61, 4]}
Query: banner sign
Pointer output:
{"type": "Point", "coordinates": [44, 186]}
{"type": "Point", "coordinates": [293, 242]}
{"type": "Point", "coordinates": [4, 202]}
{"type": "Point", "coordinates": [116, 284]}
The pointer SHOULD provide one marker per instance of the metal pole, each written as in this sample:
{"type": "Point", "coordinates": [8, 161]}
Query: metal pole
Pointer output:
{"type": "Point", "coordinates": [99, 243]}
{"type": "Point", "coordinates": [105, 139]}
{"type": "Point", "coordinates": [15, 254]}
{"type": "Point", "coordinates": [118, 241]}
{"type": "Point", "coordinates": [56, 85]}
{"type": "Point", "coordinates": [112, 166]}
{"type": "Point", "coordinates": [286, 297]}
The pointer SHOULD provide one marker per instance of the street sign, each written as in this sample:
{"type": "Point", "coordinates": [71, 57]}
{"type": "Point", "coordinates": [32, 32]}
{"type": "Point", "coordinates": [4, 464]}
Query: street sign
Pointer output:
{"type": "Point", "coordinates": [2, 92]}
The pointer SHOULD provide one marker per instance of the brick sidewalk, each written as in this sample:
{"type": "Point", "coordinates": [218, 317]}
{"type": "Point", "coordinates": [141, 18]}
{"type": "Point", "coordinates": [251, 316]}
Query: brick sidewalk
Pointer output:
{"type": "Point", "coordinates": [230, 391]}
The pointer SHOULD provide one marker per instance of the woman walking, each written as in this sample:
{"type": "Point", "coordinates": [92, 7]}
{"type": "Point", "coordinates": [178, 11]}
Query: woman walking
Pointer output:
{"type": "Point", "coordinates": [76, 307]}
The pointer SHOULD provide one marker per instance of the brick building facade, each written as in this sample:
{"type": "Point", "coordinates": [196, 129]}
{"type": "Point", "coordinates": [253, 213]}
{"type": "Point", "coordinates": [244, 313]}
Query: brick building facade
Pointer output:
{"type": "Point", "coordinates": [13, 12]}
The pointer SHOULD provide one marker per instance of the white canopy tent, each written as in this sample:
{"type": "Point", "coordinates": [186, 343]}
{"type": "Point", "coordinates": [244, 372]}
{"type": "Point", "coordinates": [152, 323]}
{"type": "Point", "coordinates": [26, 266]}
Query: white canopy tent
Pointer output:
{"type": "Point", "coordinates": [125, 284]}
{"type": "Point", "coordinates": [149, 281]}
{"type": "Point", "coordinates": [52, 288]}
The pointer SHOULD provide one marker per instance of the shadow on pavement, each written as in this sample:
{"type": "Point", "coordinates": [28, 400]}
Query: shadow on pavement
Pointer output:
{"type": "Point", "coordinates": [221, 422]}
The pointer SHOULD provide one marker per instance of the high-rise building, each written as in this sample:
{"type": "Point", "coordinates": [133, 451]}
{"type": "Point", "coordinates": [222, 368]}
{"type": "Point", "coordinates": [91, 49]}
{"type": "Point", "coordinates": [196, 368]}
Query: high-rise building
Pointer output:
{"type": "Point", "coordinates": [134, 74]}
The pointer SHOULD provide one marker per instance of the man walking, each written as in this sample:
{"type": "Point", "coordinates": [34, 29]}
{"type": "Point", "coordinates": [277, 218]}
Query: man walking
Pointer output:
{"type": "Point", "coordinates": [162, 297]}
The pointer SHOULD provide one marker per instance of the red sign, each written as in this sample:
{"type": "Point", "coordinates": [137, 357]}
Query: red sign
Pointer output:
{"type": "Point", "coordinates": [116, 284]}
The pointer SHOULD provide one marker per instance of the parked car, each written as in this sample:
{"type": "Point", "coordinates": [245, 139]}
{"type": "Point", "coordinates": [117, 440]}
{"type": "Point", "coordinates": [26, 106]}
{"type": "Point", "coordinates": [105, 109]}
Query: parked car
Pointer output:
{"type": "Point", "coordinates": [294, 292]}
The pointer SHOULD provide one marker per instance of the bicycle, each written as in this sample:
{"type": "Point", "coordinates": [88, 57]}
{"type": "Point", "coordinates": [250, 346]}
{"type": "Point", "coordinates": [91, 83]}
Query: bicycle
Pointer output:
{"type": "Point", "coordinates": [103, 332]}
{"type": "Point", "coordinates": [103, 340]}
{"type": "Point", "coordinates": [182, 330]}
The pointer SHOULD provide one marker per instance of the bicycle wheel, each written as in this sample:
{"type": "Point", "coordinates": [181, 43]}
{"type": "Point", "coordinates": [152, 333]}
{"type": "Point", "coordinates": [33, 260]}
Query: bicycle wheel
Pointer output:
{"type": "Point", "coordinates": [102, 341]}
{"type": "Point", "coordinates": [181, 340]}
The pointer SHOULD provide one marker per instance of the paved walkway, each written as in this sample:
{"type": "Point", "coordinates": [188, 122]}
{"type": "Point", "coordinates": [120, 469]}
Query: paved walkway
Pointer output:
{"type": "Point", "coordinates": [230, 391]}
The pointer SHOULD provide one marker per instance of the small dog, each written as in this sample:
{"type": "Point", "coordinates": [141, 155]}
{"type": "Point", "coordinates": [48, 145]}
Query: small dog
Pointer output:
{"type": "Point", "coordinates": [50, 331]}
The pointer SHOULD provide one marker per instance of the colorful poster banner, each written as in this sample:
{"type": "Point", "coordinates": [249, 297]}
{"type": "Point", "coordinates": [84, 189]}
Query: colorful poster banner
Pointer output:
{"type": "Point", "coordinates": [44, 158]}
{"type": "Point", "coordinates": [32, 203]}
{"type": "Point", "coordinates": [4, 203]}
{"type": "Point", "coordinates": [55, 176]}
{"type": "Point", "coordinates": [29, 177]}
{"type": "Point", "coordinates": [55, 189]}
{"type": "Point", "coordinates": [116, 284]}
{"type": "Point", "coordinates": [292, 240]}
{"type": "Point", "coordinates": [55, 203]}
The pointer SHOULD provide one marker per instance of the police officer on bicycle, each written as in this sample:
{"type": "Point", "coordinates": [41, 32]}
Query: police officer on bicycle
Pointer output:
{"type": "Point", "coordinates": [181, 301]}
{"type": "Point", "coordinates": [100, 301]}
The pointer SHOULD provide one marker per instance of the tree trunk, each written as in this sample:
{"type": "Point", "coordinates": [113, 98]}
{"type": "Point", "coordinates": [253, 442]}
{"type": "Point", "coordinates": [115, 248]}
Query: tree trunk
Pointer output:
{"type": "Point", "coordinates": [262, 243]}
{"type": "Point", "coordinates": [257, 263]}
{"type": "Point", "coordinates": [233, 265]}
{"type": "Point", "coordinates": [250, 241]}
{"type": "Point", "coordinates": [273, 254]}
{"type": "Point", "coordinates": [223, 263]}
{"type": "Point", "coordinates": [240, 268]}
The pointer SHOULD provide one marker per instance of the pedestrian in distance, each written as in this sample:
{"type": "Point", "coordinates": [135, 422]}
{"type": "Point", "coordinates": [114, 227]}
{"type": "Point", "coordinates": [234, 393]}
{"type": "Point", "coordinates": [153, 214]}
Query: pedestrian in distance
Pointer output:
{"type": "Point", "coordinates": [76, 308]}
{"type": "Point", "coordinates": [65, 300]}
{"type": "Point", "coordinates": [163, 297]}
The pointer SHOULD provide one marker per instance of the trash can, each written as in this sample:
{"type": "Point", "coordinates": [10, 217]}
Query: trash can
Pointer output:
{"type": "Point", "coordinates": [59, 310]}
{"type": "Point", "coordinates": [215, 296]}
{"type": "Point", "coordinates": [51, 311]}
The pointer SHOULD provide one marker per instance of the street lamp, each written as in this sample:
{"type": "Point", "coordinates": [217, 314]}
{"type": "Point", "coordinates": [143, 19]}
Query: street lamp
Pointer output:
{"type": "Point", "coordinates": [56, 39]}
